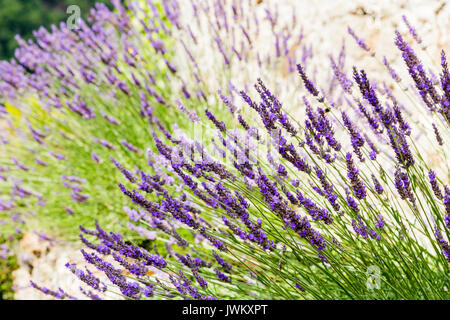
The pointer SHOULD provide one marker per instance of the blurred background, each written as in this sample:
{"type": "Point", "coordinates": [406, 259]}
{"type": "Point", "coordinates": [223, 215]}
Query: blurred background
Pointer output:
{"type": "Point", "coordinates": [325, 24]}
{"type": "Point", "coordinates": [24, 16]}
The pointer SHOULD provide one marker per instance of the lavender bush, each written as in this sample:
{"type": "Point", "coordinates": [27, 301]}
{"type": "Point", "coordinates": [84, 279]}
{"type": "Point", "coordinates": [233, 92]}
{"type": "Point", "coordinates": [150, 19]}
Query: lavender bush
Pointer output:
{"type": "Point", "coordinates": [63, 111]}
{"type": "Point", "coordinates": [251, 177]}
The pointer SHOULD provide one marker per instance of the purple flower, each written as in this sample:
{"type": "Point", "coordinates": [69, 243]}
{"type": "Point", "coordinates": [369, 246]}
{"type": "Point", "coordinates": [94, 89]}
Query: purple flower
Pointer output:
{"type": "Point", "coordinates": [105, 143]}
{"type": "Point", "coordinates": [358, 186]}
{"type": "Point", "coordinates": [219, 124]}
{"type": "Point", "coordinates": [110, 119]}
{"type": "Point", "coordinates": [87, 277]}
{"type": "Point", "coordinates": [40, 162]}
{"type": "Point", "coordinates": [361, 229]}
{"type": "Point", "coordinates": [192, 263]}
{"type": "Point", "coordinates": [380, 222]}
{"type": "Point", "coordinates": [447, 199]}
{"type": "Point", "coordinates": [299, 287]}
{"type": "Point", "coordinates": [391, 70]}
{"type": "Point", "coordinates": [373, 122]}
{"type": "Point", "coordinates": [356, 139]}
{"type": "Point", "coordinates": [445, 82]}
{"type": "Point", "coordinates": [352, 203]}
{"type": "Point", "coordinates": [401, 181]}
{"type": "Point", "coordinates": [315, 211]}
{"type": "Point", "coordinates": [361, 43]}
{"type": "Point", "coordinates": [377, 186]}
{"type": "Point", "coordinates": [225, 265]}
{"type": "Point", "coordinates": [282, 171]}
{"type": "Point", "coordinates": [200, 280]}
{"type": "Point", "coordinates": [403, 125]}
{"type": "Point", "coordinates": [445, 246]}
{"type": "Point", "coordinates": [129, 146]}
{"type": "Point", "coordinates": [345, 83]}
{"type": "Point", "coordinates": [423, 83]}
{"type": "Point", "coordinates": [308, 84]}
{"type": "Point", "coordinates": [412, 30]}
{"type": "Point", "coordinates": [19, 164]}
{"type": "Point", "coordinates": [79, 197]}
{"type": "Point", "coordinates": [437, 191]}
{"type": "Point", "coordinates": [127, 174]}
{"type": "Point", "coordinates": [95, 157]}
{"type": "Point", "coordinates": [222, 276]}
{"type": "Point", "coordinates": [60, 294]}
{"type": "Point", "coordinates": [437, 135]}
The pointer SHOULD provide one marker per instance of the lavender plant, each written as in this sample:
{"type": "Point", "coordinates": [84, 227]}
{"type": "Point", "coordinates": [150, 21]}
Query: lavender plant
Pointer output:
{"type": "Point", "coordinates": [67, 98]}
{"type": "Point", "coordinates": [84, 86]}
{"type": "Point", "coordinates": [62, 114]}
{"type": "Point", "coordinates": [241, 196]}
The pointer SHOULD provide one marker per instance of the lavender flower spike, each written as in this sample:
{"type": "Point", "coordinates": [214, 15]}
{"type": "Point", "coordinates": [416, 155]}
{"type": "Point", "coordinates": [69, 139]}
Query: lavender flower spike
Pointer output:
{"type": "Point", "coordinates": [412, 31]}
{"type": "Point", "coordinates": [437, 191]}
{"type": "Point", "coordinates": [308, 83]}
{"type": "Point", "coordinates": [358, 186]}
{"type": "Point", "coordinates": [361, 43]}
{"type": "Point", "coordinates": [127, 174]}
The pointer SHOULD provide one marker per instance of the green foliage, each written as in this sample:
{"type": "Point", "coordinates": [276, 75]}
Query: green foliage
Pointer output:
{"type": "Point", "coordinates": [7, 266]}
